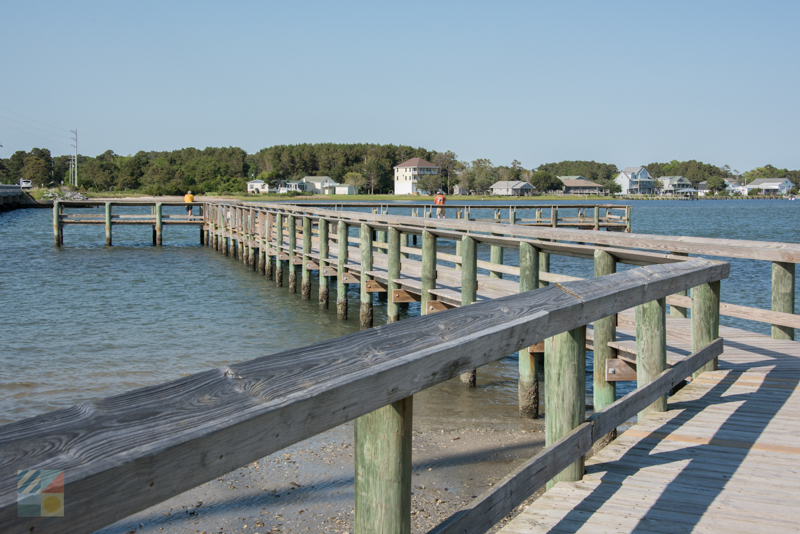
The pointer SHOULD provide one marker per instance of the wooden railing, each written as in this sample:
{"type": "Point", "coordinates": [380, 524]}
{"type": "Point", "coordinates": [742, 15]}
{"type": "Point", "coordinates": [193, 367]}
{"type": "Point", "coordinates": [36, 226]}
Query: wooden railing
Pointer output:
{"type": "Point", "coordinates": [125, 453]}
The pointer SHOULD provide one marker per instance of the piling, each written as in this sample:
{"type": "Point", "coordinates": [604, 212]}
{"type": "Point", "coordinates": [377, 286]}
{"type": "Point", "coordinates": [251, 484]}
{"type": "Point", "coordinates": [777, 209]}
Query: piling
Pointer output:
{"type": "Point", "coordinates": [605, 331]}
{"type": "Point", "coordinates": [428, 268]}
{"type": "Point", "coordinates": [292, 228]}
{"type": "Point", "coordinates": [305, 286]}
{"type": "Point", "coordinates": [58, 236]}
{"type": "Point", "coordinates": [528, 388]}
{"type": "Point", "coordinates": [392, 309]}
{"type": "Point", "coordinates": [323, 256]}
{"type": "Point", "coordinates": [262, 243]}
{"type": "Point", "coordinates": [565, 392]}
{"type": "Point", "coordinates": [159, 224]}
{"type": "Point", "coordinates": [341, 287]}
{"type": "Point", "coordinates": [783, 286]}
{"type": "Point", "coordinates": [108, 224]}
{"type": "Point", "coordinates": [268, 240]}
{"type": "Point", "coordinates": [705, 320]}
{"type": "Point", "coordinates": [469, 290]}
{"type": "Point", "coordinates": [596, 219]}
{"type": "Point", "coordinates": [651, 348]}
{"type": "Point", "coordinates": [278, 250]}
{"type": "Point", "coordinates": [365, 317]}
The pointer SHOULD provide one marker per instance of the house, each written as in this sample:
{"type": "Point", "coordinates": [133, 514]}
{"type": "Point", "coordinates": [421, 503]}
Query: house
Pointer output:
{"type": "Point", "coordinates": [676, 185]}
{"type": "Point", "coordinates": [578, 185]}
{"type": "Point", "coordinates": [406, 174]}
{"type": "Point", "coordinates": [512, 188]}
{"type": "Point", "coordinates": [771, 186]}
{"type": "Point", "coordinates": [293, 185]}
{"type": "Point", "coordinates": [635, 181]}
{"type": "Point", "coordinates": [320, 185]}
{"type": "Point", "coordinates": [702, 189]}
{"type": "Point", "coordinates": [257, 186]}
{"type": "Point", "coordinates": [345, 189]}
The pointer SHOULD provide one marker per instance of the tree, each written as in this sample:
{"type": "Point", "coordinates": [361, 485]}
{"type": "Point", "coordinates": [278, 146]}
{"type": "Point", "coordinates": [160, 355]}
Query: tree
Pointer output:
{"type": "Point", "coordinates": [36, 170]}
{"type": "Point", "coordinates": [544, 181]}
{"type": "Point", "coordinates": [716, 184]}
{"type": "Point", "coordinates": [356, 179]}
{"type": "Point", "coordinates": [448, 165]}
{"type": "Point", "coordinates": [430, 183]}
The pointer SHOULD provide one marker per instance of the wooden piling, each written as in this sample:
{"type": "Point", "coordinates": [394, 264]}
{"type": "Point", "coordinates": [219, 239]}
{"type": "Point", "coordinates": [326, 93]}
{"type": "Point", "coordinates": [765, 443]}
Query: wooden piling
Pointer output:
{"type": "Point", "coordinates": [268, 240]}
{"type": "Point", "coordinates": [469, 290]}
{"type": "Point", "coordinates": [278, 250]}
{"type": "Point", "coordinates": [341, 287]}
{"type": "Point", "coordinates": [496, 257]}
{"type": "Point", "coordinates": [323, 255]}
{"type": "Point", "coordinates": [262, 243]}
{"type": "Point", "coordinates": [596, 219]}
{"type": "Point", "coordinates": [58, 236]}
{"type": "Point", "coordinates": [305, 285]}
{"type": "Point", "coordinates": [428, 268]}
{"type": "Point", "coordinates": [392, 309]}
{"type": "Point", "coordinates": [605, 332]}
{"type": "Point", "coordinates": [544, 266]}
{"type": "Point", "coordinates": [108, 224]}
{"type": "Point", "coordinates": [159, 224]}
{"type": "Point", "coordinates": [783, 287]}
{"type": "Point", "coordinates": [565, 392]}
{"type": "Point", "coordinates": [292, 227]}
{"type": "Point", "coordinates": [528, 388]}
{"type": "Point", "coordinates": [705, 320]}
{"type": "Point", "coordinates": [651, 348]}
{"type": "Point", "coordinates": [365, 316]}
{"type": "Point", "coordinates": [383, 470]}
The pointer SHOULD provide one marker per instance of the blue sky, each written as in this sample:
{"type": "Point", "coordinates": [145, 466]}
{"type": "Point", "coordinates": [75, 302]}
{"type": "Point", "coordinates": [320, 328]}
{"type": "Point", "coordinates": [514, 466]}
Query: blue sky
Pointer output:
{"type": "Point", "coordinates": [619, 82]}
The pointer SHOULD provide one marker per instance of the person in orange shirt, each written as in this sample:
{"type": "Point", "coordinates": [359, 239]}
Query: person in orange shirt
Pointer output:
{"type": "Point", "coordinates": [188, 197]}
{"type": "Point", "coordinates": [439, 200]}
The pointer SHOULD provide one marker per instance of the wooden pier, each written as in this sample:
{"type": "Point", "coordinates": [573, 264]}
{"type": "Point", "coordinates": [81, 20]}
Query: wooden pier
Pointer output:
{"type": "Point", "coordinates": [121, 453]}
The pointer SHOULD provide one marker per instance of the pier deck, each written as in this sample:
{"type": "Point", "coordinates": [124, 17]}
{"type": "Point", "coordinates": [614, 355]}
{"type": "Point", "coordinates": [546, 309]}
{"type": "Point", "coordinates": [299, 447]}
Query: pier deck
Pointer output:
{"type": "Point", "coordinates": [722, 459]}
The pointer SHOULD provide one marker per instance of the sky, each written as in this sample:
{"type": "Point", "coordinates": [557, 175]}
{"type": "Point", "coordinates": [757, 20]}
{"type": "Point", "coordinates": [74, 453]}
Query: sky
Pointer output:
{"type": "Point", "coordinates": [628, 83]}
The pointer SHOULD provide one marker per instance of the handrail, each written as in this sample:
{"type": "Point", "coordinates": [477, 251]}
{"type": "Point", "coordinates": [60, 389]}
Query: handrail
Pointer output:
{"type": "Point", "coordinates": [121, 453]}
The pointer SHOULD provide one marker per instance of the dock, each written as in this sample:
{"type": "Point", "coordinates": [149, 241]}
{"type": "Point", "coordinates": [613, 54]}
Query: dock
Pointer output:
{"type": "Point", "coordinates": [11, 197]}
{"type": "Point", "coordinates": [657, 324]}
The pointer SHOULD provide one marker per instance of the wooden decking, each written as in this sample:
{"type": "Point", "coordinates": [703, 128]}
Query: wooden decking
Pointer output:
{"type": "Point", "coordinates": [724, 458]}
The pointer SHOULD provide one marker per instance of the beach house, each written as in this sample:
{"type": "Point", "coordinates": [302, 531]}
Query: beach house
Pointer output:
{"type": "Point", "coordinates": [635, 181]}
{"type": "Point", "coordinates": [406, 174]}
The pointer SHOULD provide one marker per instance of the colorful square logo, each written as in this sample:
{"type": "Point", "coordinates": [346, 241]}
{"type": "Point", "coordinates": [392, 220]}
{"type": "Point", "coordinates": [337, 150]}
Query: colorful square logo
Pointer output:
{"type": "Point", "coordinates": [40, 493]}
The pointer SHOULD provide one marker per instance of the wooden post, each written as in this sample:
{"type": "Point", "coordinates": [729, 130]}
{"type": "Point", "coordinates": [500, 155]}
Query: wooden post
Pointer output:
{"type": "Point", "coordinates": [596, 219]}
{"type": "Point", "coordinates": [251, 244]}
{"type": "Point", "coordinates": [278, 249]}
{"type": "Point", "coordinates": [783, 286]}
{"type": "Point", "coordinates": [679, 311]}
{"type": "Point", "coordinates": [544, 266]}
{"type": "Point", "coordinates": [458, 250]}
{"type": "Point", "coordinates": [605, 331]}
{"type": "Point", "coordinates": [365, 316]}
{"type": "Point", "coordinates": [528, 388]}
{"type": "Point", "coordinates": [108, 224]}
{"type": "Point", "coordinates": [651, 348]}
{"type": "Point", "coordinates": [705, 320]}
{"type": "Point", "coordinates": [628, 219]}
{"type": "Point", "coordinates": [268, 240]}
{"type": "Point", "coordinates": [159, 224]}
{"type": "Point", "coordinates": [392, 309]}
{"type": "Point", "coordinates": [554, 217]}
{"type": "Point", "coordinates": [404, 241]}
{"type": "Point", "coordinates": [323, 255]}
{"type": "Point", "coordinates": [428, 268]}
{"type": "Point", "coordinates": [512, 215]}
{"type": "Point", "coordinates": [565, 392]}
{"type": "Point", "coordinates": [305, 286]}
{"type": "Point", "coordinates": [383, 470]}
{"type": "Point", "coordinates": [262, 243]}
{"type": "Point", "coordinates": [469, 290]}
{"type": "Point", "coordinates": [341, 287]}
{"type": "Point", "coordinates": [496, 256]}
{"type": "Point", "coordinates": [58, 236]}
{"type": "Point", "coordinates": [292, 228]}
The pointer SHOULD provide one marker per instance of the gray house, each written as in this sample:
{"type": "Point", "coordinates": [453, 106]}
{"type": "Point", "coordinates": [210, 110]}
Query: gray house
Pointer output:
{"type": "Point", "coordinates": [512, 188]}
{"type": "Point", "coordinates": [675, 185]}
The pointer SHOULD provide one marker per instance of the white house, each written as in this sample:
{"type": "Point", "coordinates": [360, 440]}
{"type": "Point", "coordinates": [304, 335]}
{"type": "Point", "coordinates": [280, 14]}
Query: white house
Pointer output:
{"type": "Point", "coordinates": [771, 186]}
{"type": "Point", "coordinates": [345, 189]}
{"type": "Point", "coordinates": [257, 186]}
{"type": "Point", "coordinates": [635, 181]}
{"type": "Point", "coordinates": [675, 185]}
{"type": "Point", "coordinates": [293, 185]}
{"type": "Point", "coordinates": [513, 188]}
{"type": "Point", "coordinates": [320, 185]}
{"type": "Point", "coordinates": [406, 174]}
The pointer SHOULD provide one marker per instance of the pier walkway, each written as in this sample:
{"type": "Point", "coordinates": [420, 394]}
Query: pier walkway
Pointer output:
{"type": "Point", "coordinates": [723, 458]}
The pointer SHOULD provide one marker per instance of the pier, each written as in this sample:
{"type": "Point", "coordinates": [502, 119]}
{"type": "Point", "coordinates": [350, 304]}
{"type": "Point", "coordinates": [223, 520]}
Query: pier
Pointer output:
{"type": "Point", "coordinates": [121, 453]}
{"type": "Point", "coordinates": [10, 197]}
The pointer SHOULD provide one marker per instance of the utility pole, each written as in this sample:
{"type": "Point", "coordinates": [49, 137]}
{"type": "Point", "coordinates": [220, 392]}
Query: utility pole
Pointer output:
{"type": "Point", "coordinates": [75, 131]}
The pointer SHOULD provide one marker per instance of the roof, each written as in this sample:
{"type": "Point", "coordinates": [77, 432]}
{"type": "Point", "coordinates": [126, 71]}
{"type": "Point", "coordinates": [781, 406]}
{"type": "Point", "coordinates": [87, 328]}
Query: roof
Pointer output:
{"type": "Point", "coordinates": [416, 162]}
{"type": "Point", "coordinates": [583, 182]}
{"type": "Point", "coordinates": [631, 170]}
{"type": "Point", "coordinates": [672, 180]}
{"type": "Point", "coordinates": [562, 178]}
{"type": "Point", "coordinates": [702, 186]}
{"type": "Point", "coordinates": [512, 184]}
{"type": "Point", "coordinates": [767, 181]}
{"type": "Point", "coordinates": [256, 182]}
{"type": "Point", "coordinates": [316, 179]}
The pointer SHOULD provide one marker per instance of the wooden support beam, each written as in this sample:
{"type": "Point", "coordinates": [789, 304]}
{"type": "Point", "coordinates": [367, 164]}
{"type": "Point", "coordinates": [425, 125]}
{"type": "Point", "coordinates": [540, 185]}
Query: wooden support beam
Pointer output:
{"type": "Point", "coordinates": [305, 286]}
{"type": "Point", "coordinates": [783, 289]}
{"type": "Point", "coordinates": [433, 306]}
{"type": "Point", "coordinates": [108, 224]}
{"type": "Point", "coordinates": [619, 370]}
{"type": "Point", "coordinates": [403, 296]}
{"type": "Point", "coordinates": [291, 223]}
{"type": "Point", "coordinates": [469, 291]}
{"type": "Point", "coordinates": [297, 259]}
{"type": "Point", "coordinates": [651, 348]}
{"type": "Point", "coordinates": [679, 311]}
{"type": "Point", "coordinates": [705, 320]}
{"type": "Point", "coordinates": [365, 315]}
{"type": "Point", "coordinates": [528, 387]}
{"type": "Point", "coordinates": [373, 286]}
{"type": "Point", "coordinates": [323, 255]}
{"type": "Point", "coordinates": [428, 266]}
{"type": "Point", "coordinates": [341, 287]}
{"type": "Point", "coordinates": [605, 332]}
{"type": "Point", "coordinates": [159, 224]}
{"type": "Point", "coordinates": [395, 239]}
{"type": "Point", "coordinates": [58, 236]}
{"type": "Point", "coordinates": [278, 252]}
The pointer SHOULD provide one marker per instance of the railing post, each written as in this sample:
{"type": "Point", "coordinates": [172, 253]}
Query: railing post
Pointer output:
{"type": "Point", "coordinates": [565, 392]}
{"type": "Point", "coordinates": [58, 236]}
{"type": "Point", "coordinates": [554, 217]}
{"type": "Point", "coordinates": [305, 287]}
{"type": "Point", "coordinates": [428, 268]}
{"type": "Point", "coordinates": [108, 224]}
{"type": "Point", "coordinates": [512, 215]}
{"type": "Point", "coordinates": [705, 320]}
{"type": "Point", "coordinates": [341, 287]}
{"type": "Point", "coordinates": [469, 290]}
{"type": "Point", "coordinates": [528, 389]}
{"type": "Point", "coordinates": [278, 249]}
{"type": "Point", "coordinates": [605, 331]}
{"type": "Point", "coordinates": [392, 309]}
{"type": "Point", "coordinates": [291, 222]}
{"type": "Point", "coordinates": [651, 348]}
{"type": "Point", "coordinates": [365, 316]}
{"type": "Point", "coordinates": [383, 470]}
{"type": "Point", "coordinates": [596, 218]}
{"type": "Point", "coordinates": [628, 219]}
{"type": "Point", "coordinates": [262, 243]}
{"type": "Point", "coordinates": [783, 286]}
{"type": "Point", "coordinates": [159, 224]}
{"type": "Point", "coordinates": [544, 266]}
{"type": "Point", "coordinates": [230, 221]}
{"type": "Point", "coordinates": [253, 249]}
{"type": "Point", "coordinates": [268, 240]}
{"type": "Point", "coordinates": [323, 255]}
{"type": "Point", "coordinates": [496, 257]}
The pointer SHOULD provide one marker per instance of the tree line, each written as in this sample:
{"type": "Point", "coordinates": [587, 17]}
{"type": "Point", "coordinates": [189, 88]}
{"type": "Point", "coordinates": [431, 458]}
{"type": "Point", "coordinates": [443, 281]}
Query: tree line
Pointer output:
{"type": "Point", "coordinates": [367, 166]}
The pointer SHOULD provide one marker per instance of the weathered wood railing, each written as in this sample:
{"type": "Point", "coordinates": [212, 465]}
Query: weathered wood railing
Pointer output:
{"type": "Point", "coordinates": [125, 453]}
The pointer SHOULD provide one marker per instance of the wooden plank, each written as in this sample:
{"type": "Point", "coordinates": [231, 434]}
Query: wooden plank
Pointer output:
{"type": "Point", "coordinates": [373, 286]}
{"type": "Point", "coordinates": [401, 295]}
{"type": "Point", "coordinates": [350, 278]}
{"type": "Point", "coordinates": [432, 306]}
{"type": "Point", "coordinates": [788, 320]}
{"type": "Point", "coordinates": [618, 370]}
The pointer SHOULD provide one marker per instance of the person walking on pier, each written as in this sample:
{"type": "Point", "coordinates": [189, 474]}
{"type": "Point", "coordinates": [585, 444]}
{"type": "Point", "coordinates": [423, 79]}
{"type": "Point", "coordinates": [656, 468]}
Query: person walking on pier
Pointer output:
{"type": "Point", "coordinates": [439, 200]}
{"type": "Point", "coordinates": [188, 197]}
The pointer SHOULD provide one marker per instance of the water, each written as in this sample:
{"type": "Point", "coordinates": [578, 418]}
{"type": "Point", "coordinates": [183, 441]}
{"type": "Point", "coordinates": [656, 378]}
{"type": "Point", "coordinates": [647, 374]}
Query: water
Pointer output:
{"type": "Point", "coordinates": [86, 321]}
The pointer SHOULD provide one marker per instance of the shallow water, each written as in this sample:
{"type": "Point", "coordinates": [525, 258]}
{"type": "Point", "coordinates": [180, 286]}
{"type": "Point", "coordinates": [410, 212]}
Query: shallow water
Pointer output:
{"type": "Point", "coordinates": [86, 321]}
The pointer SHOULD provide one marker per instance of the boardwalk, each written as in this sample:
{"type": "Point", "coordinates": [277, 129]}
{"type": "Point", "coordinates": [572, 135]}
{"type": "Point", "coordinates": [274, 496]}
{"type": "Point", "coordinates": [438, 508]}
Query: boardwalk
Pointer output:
{"type": "Point", "coordinates": [722, 459]}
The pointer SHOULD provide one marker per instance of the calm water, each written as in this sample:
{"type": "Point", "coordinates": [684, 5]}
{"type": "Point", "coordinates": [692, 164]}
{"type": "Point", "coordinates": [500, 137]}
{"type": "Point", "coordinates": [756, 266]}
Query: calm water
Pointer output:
{"type": "Point", "coordinates": [87, 321]}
